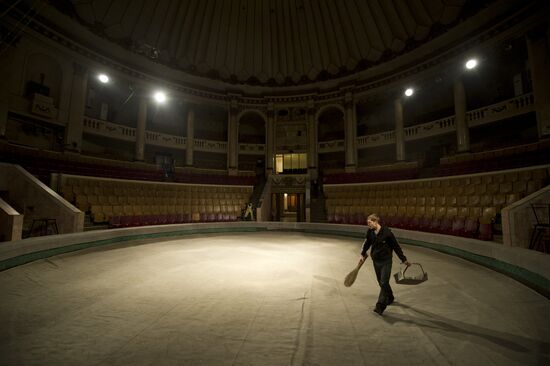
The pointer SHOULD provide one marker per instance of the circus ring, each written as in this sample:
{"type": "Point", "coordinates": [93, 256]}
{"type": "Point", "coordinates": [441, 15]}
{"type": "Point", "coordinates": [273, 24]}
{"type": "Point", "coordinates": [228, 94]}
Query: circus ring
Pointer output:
{"type": "Point", "coordinates": [266, 294]}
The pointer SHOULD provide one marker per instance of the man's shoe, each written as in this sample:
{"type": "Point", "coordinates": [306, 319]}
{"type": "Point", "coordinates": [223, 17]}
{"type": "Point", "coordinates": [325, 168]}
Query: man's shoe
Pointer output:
{"type": "Point", "coordinates": [378, 310]}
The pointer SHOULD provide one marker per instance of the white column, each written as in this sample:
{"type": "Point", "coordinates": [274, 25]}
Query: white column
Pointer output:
{"type": "Point", "coordinates": [462, 130]}
{"type": "Point", "coordinates": [140, 130]}
{"type": "Point", "coordinates": [350, 134]}
{"type": "Point", "coordinates": [75, 123]}
{"type": "Point", "coordinates": [270, 139]}
{"type": "Point", "coordinates": [233, 142]}
{"type": "Point", "coordinates": [537, 47]}
{"type": "Point", "coordinates": [399, 130]}
{"type": "Point", "coordinates": [190, 142]}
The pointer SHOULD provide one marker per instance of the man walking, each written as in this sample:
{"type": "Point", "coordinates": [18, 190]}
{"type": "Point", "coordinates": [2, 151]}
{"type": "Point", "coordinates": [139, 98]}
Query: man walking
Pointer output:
{"type": "Point", "coordinates": [382, 243]}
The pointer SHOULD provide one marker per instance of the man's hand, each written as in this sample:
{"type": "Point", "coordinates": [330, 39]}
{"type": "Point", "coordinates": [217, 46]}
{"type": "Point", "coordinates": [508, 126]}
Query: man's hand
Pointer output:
{"type": "Point", "coordinates": [406, 263]}
{"type": "Point", "coordinates": [362, 259]}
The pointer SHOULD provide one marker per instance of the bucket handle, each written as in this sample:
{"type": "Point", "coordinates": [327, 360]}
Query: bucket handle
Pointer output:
{"type": "Point", "coordinates": [418, 264]}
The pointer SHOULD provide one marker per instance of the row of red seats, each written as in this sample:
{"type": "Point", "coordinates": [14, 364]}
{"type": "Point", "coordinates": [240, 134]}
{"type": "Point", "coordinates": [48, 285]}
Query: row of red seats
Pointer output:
{"type": "Point", "coordinates": [215, 179]}
{"type": "Point", "coordinates": [530, 158]}
{"type": "Point", "coordinates": [144, 220]}
{"type": "Point", "coordinates": [57, 163]}
{"type": "Point", "coordinates": [376, 176]}
{"type": "Point", "coordinates": [466, 227]}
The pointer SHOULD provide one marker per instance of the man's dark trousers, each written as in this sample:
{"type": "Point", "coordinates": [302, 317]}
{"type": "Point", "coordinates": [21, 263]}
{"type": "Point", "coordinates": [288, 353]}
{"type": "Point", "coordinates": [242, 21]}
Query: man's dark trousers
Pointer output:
{"type": "Point", "coordinates": [383, 273]}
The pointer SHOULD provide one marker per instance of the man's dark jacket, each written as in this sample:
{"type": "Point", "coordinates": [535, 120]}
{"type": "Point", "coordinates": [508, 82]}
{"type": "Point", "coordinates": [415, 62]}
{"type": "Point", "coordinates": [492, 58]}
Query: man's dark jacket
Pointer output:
{"type": "Point", "coordinates": [382, 245]}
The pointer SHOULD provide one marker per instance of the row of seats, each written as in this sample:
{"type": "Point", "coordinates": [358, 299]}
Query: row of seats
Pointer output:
{"type": "Point", "coordinates": [497, 200]}
{"type": "Point", "coordinates": [353, 214]}
{"type": "Point", "coordinates": [98, 186]}
{"type": "Point", "coordinates": [460, 221]}
{"type": "Point", "coordinates": [144, 220]}
{"type": "Point", "coordinates": [446, 221]}
{"type": "Point", "coordinates": [490, 161]}
{"type": "Point", "coordinates": [84, 202]}
{"type": "Point", "coordinates": [501, 152]}
{"type": "Point", "coordinates": [164, 213]}
{"type": "Point", "coordinates": [510, 180]}
{"type": "Point", "coordinates": [44, 162]}
{"type": "Point", "coordinates": [140, 202]}
{"type": "Point", "coordinates": [371, 176]}
{"type": "Point", "coordinates": [155, 191]}
{"type": "Point", "coordinates": [435, 205]}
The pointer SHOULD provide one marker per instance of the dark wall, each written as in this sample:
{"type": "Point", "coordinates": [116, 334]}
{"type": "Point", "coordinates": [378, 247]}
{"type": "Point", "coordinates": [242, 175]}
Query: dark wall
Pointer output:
{"type": "Point", "coordinates": [376, 156]}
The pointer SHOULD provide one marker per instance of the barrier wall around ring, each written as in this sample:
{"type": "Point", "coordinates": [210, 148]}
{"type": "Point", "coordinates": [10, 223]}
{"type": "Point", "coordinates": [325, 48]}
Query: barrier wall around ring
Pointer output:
{"type": "Point", "coordinates": [530, 267]}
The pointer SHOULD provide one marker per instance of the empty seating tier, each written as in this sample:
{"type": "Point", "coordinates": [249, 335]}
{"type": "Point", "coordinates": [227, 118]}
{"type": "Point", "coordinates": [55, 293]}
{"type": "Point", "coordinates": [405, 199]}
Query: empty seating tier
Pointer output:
{"type": "Point", "coordinates": [43, 162]}
{"type": "Point", "coordinates": [462, 205]}
{"type": "Point", "coordinates": [132, 203]}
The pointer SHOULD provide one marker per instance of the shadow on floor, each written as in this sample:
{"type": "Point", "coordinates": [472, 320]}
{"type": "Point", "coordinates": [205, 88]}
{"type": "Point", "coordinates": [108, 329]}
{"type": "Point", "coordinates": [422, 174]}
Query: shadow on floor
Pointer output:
{"type": "Point", "coordinates": [505, 342]}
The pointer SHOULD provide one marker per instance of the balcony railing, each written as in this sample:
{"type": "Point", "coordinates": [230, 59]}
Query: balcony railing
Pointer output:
{"type": "Point", "coordinates": [332, 146]}
{"type": "Point", "coordinates": [382, 138]}
{"type": "Point", "coordinates": [251, 149]}
{"type": "Point", "coordinates": [162, 139]}
{"type": "Point", "coordinates": [210, 146]}
{"type": "Point", "coordinates": [505, 109]}
{"type": "Point", "coordinates": [109, 129]}
{"type": "Point", "coordinates": [429, 129]}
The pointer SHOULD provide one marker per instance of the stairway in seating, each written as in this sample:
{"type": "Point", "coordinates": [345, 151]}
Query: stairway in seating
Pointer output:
{"type": "Point", "coordinates": [258, 190]}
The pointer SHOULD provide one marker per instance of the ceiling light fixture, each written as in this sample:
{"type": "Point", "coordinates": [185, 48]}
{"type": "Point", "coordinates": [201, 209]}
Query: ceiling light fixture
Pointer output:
{"type": "Point", "coordinates": [160, 97]}
{"type": "Point", "coordinates": [103, 78]}
{"type": "Point", "coordinates": [471, 64]}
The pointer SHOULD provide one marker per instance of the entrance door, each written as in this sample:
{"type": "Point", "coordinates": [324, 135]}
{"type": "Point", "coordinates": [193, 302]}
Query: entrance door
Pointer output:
{"type": "Point", "coordinates": [288, 207]}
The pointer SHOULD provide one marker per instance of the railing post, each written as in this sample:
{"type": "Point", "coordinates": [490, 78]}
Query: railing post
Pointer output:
{"type": "Point", "coordinates": [140, 130]}
{"type": "Point", "coordinates": [399, 130]}
{"type": "Point", "coordinates": [462, 130]}
{"type": "Point", "coordinates": [189, 148]}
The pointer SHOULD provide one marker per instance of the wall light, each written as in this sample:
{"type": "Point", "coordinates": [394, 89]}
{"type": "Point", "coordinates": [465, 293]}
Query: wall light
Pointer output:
{"type": "Point", "coordinates": [409, 92]}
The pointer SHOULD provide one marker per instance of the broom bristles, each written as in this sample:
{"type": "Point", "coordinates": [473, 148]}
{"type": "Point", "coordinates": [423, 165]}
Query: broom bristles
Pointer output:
{"type": "Point", "coordinates": [350, 278]}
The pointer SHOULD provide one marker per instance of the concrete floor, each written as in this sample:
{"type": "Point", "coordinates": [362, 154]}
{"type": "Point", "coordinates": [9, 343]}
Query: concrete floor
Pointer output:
{"type": "Point", "coordinates": [266, 298]}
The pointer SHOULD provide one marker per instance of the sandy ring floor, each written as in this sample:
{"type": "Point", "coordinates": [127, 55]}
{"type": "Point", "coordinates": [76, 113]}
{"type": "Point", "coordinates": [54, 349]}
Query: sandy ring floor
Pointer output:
{"type": "Point", "coordinates": [262, 299]}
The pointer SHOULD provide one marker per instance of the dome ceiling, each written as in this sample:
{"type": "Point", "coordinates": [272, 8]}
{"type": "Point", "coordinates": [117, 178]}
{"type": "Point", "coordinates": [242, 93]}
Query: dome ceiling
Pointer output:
{"type": "Point", "coordinates": [268, 42]}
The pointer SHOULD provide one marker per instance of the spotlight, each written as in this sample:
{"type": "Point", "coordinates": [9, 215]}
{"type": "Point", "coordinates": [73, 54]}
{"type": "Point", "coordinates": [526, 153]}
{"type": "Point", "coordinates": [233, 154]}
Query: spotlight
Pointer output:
{"type": "Point", "coordinates": [160, 97]}
{"type": "Point", "coordinates": [103, 78]}
{"type": "Point", "coordinates": [409, 92]}
{"type": "Point", "coordinates": [471, 63]}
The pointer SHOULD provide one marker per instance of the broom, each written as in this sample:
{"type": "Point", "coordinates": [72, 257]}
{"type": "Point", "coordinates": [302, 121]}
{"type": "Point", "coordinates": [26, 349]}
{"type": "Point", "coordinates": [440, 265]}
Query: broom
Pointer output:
{"type": "Point", "coordinates": [350, 278]}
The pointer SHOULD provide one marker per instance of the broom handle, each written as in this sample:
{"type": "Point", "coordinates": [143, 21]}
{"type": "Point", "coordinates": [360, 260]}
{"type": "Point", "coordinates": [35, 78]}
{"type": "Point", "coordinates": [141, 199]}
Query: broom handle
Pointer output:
{"type": "Point", "coordinates": [361, 261]}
